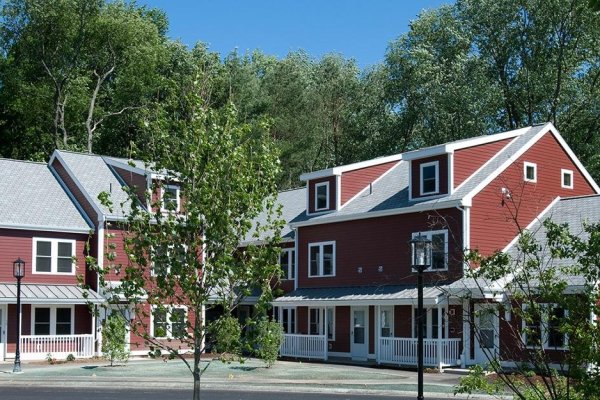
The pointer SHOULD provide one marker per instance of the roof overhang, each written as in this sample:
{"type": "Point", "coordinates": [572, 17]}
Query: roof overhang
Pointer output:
{"type": "Point", "coordinates": [48, 294]}
{"type": "Point", "coordinates": [62, 229]}
{"type": "Point", "coordinates": [324, 173]}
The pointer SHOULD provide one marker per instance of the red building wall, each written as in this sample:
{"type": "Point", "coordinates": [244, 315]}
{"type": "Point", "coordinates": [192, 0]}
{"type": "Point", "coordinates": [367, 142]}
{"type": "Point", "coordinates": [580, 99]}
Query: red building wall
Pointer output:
{"type": "Point", "coordinates": [332, 193]}
{"type": "Point", "coordinates": [134, 180]}
{"type": "Point", "coordinates": [470, 159]}
{"type": "Point", "coordinates": [416, 175]}
{"type": "Point", "coordinates": [370, 243]}
{"type": "Point", "coordinates": [494, 217]}
{"type": "Point", "coordinates": [353, 182]}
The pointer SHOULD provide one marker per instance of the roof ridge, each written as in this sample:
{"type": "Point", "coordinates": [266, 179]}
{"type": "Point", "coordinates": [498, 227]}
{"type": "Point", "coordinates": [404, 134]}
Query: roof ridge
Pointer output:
{"type": "Point", "coordinates": [583, 196]}
{"type": "Point", "coordinates": [291, 189]}
{"type": "Point", "coordinates": [24, 161]}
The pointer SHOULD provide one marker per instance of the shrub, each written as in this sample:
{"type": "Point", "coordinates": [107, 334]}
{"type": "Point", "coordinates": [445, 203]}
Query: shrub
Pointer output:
{"type": "Point", "coordinates": [114, 339]}
{"type": "Point", "coordinates": [269, 337]}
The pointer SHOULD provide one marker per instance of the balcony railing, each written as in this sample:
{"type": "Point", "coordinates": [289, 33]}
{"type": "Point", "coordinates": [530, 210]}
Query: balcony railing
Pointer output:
{"type": "Point", "coordinates": [37, 347]}
{"type": "Point", "coordinates": [403, 351]}
{"type": "Point", "coordinates": [304, 346]}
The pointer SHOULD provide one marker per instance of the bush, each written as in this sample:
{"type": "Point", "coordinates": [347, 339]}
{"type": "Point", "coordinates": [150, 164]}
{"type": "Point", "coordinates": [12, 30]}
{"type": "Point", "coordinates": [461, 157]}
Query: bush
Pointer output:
{"type": "Point", "coordinates": [114, 339]}
{"type": "Point", "coordinates": [70, 357]}
{"type": "Point", "coordinates": [226, 333]}
{"type": "Point", "coordinates": [269, 337]}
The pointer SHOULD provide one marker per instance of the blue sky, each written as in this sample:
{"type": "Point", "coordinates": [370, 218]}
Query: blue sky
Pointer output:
{"type": "Point", "coordinates": [359, 29]}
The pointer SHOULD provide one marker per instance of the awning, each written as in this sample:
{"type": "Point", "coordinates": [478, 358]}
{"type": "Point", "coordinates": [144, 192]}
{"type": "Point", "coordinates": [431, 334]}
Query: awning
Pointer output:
{"type": "Point", "coordinates": [362, 295]}
{"type": "Point", "coordinates": [48, 294]}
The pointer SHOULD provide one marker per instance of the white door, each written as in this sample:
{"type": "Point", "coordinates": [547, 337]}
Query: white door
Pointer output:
{"type": "Point", "coordinates": [486, 333]}
{"type": "Point", "coordinates": [2, 334]}
{"type": "Point", "coordinates": [359, 333]}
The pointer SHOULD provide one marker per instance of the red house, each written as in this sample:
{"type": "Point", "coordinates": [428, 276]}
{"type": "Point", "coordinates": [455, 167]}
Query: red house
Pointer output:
{"type": "Point", "coordinates": [354, 294]}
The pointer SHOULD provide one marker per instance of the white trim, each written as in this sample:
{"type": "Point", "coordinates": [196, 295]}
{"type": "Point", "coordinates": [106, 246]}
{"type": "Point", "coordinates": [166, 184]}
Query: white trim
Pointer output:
{"type": "Point", "coordinates": [177, 197]}
{"type": "Point", "coordinates": [350, 167]}
{"type": "Point", "coordinates": [53, 256]}
{"type": "Point", "coordinates": [461, 144]}
{"type": "Point", "coordinates": [24, 227]}
{"type": "Point", "coordinates": [563, 173]}
{"type": "Point", "coordinates": [332, 320]}
{"type": "Point", "coordinates": [169, 323]}
{"type": "Point", "coordinates": [124, 165]}
{"type": "Point", "coordinates": [429, 235]}
{"type": "Point", "coordinates": [384, 213]}
{"type": "Point", "coordinates": [410, 185]}
{"type": "Point", "coordinates": [52, 317]}
{"type": "Point", "coordinates": [316, 198]}
{"type": "Point", "coordinates": [361, 302]}
{"type": "Point", "coordinates": [362, 192]}
{"type": "Point", "coordinates": [450, 173]}
{"type": "Point", "coordinates": [321, 245]}
{"type": "Point", "coordinates": [436, 165]}
{"type": "Point", "coordinates": [526, 165]}
{"type": "Point", "coordinates": [338, 192]}
{"type": "Point", "coordinates": [262, 242]}
{"type": "Point", "coordinates": [466, 233]}
{"type": "Point", "coordinates": [296, 234]}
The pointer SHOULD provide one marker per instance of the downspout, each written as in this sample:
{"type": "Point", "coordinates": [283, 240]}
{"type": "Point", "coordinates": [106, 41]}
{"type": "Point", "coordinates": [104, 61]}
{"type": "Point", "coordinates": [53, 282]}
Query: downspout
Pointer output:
{"type": "Point", "coordinates": [296, 250]}
{"type": "Point", "coordinates": [100, 258]}
{"type": "Point", "coordinates": [466, 239]}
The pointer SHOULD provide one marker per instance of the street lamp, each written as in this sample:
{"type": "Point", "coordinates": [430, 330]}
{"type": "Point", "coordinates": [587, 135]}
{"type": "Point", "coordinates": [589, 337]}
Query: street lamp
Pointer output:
{"type": "Point", "coordinates": [19, 273]}
{"type": "Point", "coordinates": [420, 248]}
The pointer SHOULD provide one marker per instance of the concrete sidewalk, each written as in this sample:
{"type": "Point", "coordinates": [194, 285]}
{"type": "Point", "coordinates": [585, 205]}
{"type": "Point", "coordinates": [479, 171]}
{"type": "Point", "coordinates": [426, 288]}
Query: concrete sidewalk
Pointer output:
{"type": "Point", "coordinates": [250, 375]}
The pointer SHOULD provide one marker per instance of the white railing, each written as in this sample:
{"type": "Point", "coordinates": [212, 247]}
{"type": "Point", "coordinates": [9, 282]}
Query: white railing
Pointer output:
{"type": "Point", "coordinates": [304, 346]}
{"type": "Point", "coordinates": [37, 347]}
{"type": "Point", "coordinates": [403, 351]}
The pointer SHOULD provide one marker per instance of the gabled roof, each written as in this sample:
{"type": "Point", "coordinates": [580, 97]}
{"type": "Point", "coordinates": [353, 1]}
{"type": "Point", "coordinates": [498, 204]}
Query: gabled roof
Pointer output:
{"type": "Point", "coordinates": [93, 176]}
{"type": "Point", "coordinates": [349, 167]}
{"type": "Point", "coordinates": [33, 199]}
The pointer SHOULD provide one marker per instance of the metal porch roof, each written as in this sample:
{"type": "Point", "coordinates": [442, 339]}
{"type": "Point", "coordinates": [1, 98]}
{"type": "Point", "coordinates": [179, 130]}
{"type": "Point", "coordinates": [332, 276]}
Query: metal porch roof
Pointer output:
{"type": "Point", "coordinates": [47, 294]}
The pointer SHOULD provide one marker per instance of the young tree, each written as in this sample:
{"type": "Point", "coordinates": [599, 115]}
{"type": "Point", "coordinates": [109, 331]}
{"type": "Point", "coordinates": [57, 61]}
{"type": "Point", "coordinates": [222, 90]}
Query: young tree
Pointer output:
{"type": "Point", "coordinates": [182, 253]}
{"type": "Point", "coordinates": [114, 336]}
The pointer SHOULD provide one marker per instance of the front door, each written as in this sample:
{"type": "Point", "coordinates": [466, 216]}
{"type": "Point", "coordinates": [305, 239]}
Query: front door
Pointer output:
{"type": "Point", "coordinates": [359, 333]}
{"type": "Point", "coordinates": [2, 333]}
{"type": "Point", "coordinates": [486, 333]}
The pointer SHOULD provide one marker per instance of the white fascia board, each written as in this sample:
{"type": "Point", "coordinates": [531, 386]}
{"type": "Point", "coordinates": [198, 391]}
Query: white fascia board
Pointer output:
{"type": "Point", "coordinates": [123, 165]}
{"type": "Point", "coordinates": [261, 242]}
{"type": "Point", "coordinates": [24, 227]}
{"type": "Point", "coordinates": [375, 214]}
{"type": "Point", "coordinates": [87, 196]}
{"type": "Point", "coordinates": [324, 173]}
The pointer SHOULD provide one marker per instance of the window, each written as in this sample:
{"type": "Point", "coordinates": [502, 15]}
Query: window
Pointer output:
{"type": "Point", "coordinates": [430, 178]}
{"type": "Point", "coordinates": [529, 172]}
{"type": "Point", "coordinates": [161, 259]}
{"type": "Point", "coordinates": [331, 323]}
{"type": "Point", "coordinates": [556, 338]}
{"type": "Point", "coordinates": [566, 181]}
{"type": "Point", "coordinates": [321, 259]}
{"type": "Point", "coordinates": [169, 322]}
{"type": "Point", "coordinates": [287, 261]}
{"type": "Point", "coordinates": [52, 320]}
{"type": "Point", "coordinates": [532, 328]}
{"type": "Point", "coordinates": [53, 256]}
{"type": "Point", "coordinates": [439, 248]}
{"type": "Point", "coordinates": [288, 319]}
{"type": "Point", "coordinates": [316, 322]}
{"type": "Point", "coordinates": [322, 196]}
{"type": "Point", "coordinates": [386, 321]}
{"type": "Point", "coordinates": [170, 198]}
{"type": "Point", "coordinates": [542, 327]}
{"type": "Point", "coordinates": [430, 327]}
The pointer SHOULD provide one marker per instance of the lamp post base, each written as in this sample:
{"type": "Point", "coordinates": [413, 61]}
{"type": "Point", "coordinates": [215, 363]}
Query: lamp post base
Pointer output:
{"type": "Point", "coordinates": [17, 368]}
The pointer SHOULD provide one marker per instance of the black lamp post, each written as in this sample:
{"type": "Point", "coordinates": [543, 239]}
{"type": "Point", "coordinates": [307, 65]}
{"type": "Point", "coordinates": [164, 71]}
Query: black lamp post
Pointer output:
{"type": "Point", "coordinates": [421, 260]}
{"type": "Point", "coordinates": [19, 273]}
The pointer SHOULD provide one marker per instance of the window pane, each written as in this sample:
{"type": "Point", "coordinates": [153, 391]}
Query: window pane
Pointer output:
{"type": "Point", "coordinates": [428, 179]}
{"type": "Point", "coordinates": [170, 198]}
{"type": "Point", "coordinates": [314, 321]}
{"type": "Point", "coordinates": [64, 265]}
{"type": "Point", "coordinates": [438, 251]}
{"type": "Point", "coordinates": [178, 327]}
{"type": "Point", "coordinates": [159, 323]}
{"type": "Point", "coordinates": [284, 262]}
{"type": "Point", "coordinates": [566, 179]}
{"type": "Point", "coordinates": [43, 264]}
{"type": "Point", "coordinates": [434, 323]}
{"type": "Point", "coordinates": [63, 315]}
{"type": "Point", "coordinates": [44, 249]}
{"type": "Point", "coordinates": [322, 196]}
{"type": "Point", "coordinates": [63, 329]}
{"type": "Point", "coordinates": [533, 331]}
{"type": "Point", "coordinates": [65, 249]}
{"type": "Point", "coordinates": [292, 264]}
{"type": "Point", "coordinates": [555, 337]}
{"type": "Point", "coordinates": [328, 259]}
{"type": "Point", "coordinates": [530, 170]}
{"type": "Point", "coordinates": [314, 260]}
{"type": "Point", "coordinates": [43, 258]}
{"type": "Point", "coordinates": [42, 321]}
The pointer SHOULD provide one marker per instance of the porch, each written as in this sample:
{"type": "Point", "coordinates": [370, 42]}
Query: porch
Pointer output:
{"type": "Point", "coordinates": [39, 347]}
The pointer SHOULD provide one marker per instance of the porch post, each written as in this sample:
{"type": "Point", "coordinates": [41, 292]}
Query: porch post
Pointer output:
{"type": "Point", "coordinates": [466, 315]}
{"type": "Point", "coordinates": [94, 335]}
{"type": "Point", "coordinates": [439, 335]}
{"type": "Point", "coordinates": [325, 326]}
{"type": "Point", "coordinates": [377, 332]}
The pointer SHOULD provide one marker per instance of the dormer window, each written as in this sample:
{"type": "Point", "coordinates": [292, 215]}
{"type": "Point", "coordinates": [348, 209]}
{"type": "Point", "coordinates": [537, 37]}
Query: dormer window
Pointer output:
{"type": "Point", "coordinates": [322, 196]}
{"type": "Point", "coordinates": [566, 181]}
{"type": "Point", "coordinates": [529, 172]}
{"type": "Point", "coordinates": [170, 198]}
{"type": "Point", "coordinates": [430, 178]}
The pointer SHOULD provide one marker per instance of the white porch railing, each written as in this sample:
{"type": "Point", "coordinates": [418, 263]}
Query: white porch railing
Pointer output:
{"type": "Point", "coordinates": [36, 347]}
{"type": "Point", "coordinates": [403, 351]}
{"type": "Point", "coordinates": [304, 346]}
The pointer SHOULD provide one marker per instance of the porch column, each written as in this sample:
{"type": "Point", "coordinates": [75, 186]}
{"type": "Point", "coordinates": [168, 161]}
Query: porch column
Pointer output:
{"type": "Point", "coordinates": [439, 335]}
{"type": "Point", "coordinates": [466, 315]}
{"type": "Point", "coordinates": [325, 326]}
{"type": "Point", "coordinates": [377, 332]}
{"type": "Point", "coordinates": [96, 350]}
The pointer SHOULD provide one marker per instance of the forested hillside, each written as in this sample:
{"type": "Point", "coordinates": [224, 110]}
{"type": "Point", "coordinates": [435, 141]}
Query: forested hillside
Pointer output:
{"type": "Point", "coordinates": [93, 75]}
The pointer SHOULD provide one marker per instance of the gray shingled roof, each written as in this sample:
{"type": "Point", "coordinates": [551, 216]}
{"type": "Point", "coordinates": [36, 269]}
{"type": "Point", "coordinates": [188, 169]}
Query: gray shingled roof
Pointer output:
{"type": "Point", "coordinates": [47, 294]}
{"type": "Point", "coordinates": [396, 294]}
{"type": "Point", "coordinates": [33, 198]}
{"type": "Point", "coordinates": [95, 176]}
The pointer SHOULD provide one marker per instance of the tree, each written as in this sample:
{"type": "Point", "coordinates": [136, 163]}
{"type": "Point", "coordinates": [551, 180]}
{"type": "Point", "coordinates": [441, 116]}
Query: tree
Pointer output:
{"type": "Point", "coordinates": [114, 336]}
{"type": "Point", "coordinates": [551, 290]}
{"type": "Point", "coordinates": [181, 262]}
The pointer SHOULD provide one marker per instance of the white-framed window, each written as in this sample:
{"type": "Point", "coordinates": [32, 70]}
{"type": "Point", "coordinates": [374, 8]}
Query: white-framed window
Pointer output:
{"type": "Point", "coordinates": [543, 327]}
{"type": "Point", "coordinates": [316, 322]}
{"type": "Point", "coordinates": [386, 321]}
{"type": "Point", "coordinates": [529, 172]}
{"type": "Point", "coordinates": [321, 259]}
{"type": "Point", "coordinates": [53, 256]}
{"type": "Point", "coordinates": [161, 258]}
{"type": "Point", "coordinates": [430, 178]}
{"type": "Point", "coordinates": [430, 327]}
{"type": "Point", "coordinates": [439, 248]}
{"type": "Point", "coordinates": [169, 322]}
{"type": "Point", "coordinates": [288, 319]}
{"type": "Point", "coordinates": [52, 320]}
{"type": "Point", "coordinates": [566, 179]}
{"type": "Point", "coordinates": [171, 198]}
{"type": "Point", "coordinates": [287, 261]}
{"type": "Point", "coordinates": [321, 196]}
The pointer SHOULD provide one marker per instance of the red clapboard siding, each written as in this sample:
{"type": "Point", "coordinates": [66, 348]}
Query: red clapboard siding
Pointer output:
{"type": "Point", "coordinates": [403, 321]}
{"type": "Point", "coordinates": [134, 180]}
{"type": "Point", "coordinates": [370, 243]}
{"type": "Point", "coordinates": [353, 182]}
{"type": "Point", "coordinates": [342, 330]}
{"type": "Point", "coordinates": [492, 222]}
{"type": "Point", "coordinates": [87, 207]}
{"type": "Point", "coordinates": [416, 175]}
{"type": "Point", "coordinates": [312, 194]}
{"type": "Point", "coordinates": [19, 243]}
{"type": "Point", "coordinates": [470, 159]}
